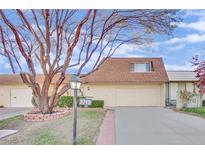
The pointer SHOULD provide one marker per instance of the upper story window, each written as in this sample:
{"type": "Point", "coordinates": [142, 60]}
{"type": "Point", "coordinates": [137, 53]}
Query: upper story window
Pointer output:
{"type": "Point", "coordinates": [140, 67]}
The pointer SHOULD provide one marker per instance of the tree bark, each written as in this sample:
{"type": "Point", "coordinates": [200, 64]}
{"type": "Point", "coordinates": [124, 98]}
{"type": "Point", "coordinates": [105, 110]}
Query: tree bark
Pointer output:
{"type": "Point", "coordinates": [42, 103]}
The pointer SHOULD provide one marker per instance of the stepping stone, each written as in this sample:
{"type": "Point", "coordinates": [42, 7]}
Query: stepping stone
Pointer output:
{"type": "Point", "coordinates": [7, 132]}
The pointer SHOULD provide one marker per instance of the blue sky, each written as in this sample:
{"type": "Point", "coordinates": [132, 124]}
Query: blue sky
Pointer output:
{"type": "Point", "coordinates": [188, 40]}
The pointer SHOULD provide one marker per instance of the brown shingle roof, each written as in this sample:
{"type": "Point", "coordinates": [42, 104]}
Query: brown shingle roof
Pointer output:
{"type": "Point", "coordinates": [6, 79]}
{"type": "Point", "coordinates": [114, 70]}
{"type": "Point", "coordinates": [118, 70]}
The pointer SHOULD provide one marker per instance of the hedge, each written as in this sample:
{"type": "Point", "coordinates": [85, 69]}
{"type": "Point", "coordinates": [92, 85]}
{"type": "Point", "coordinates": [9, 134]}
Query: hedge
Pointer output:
{"type": "Point", "coordinates": [97, 104]}
{"type": "Point", "coordinates": [67, 101]}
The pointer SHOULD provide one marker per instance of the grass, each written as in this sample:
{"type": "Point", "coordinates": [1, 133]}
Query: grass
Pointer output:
{"type": "Point", "coordinates": [90, 115]}
{"type": "Point", "coordinates": [42, 137]}
{"type": "Point", "coordinates": [54, 132]}
{"type": "Point", "coordinates": [195, 111]}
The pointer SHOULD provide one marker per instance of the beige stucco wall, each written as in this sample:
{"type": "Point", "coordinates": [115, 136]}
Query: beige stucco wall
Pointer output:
{"type": "Point", "coordinates": [107, 92]}
{"type": "Point", "coordinates": [173, 88]}
{"type": "Point", "coordinates": [5, 94]}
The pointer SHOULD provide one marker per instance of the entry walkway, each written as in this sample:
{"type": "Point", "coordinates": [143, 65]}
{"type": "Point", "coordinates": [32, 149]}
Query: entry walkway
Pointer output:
{"type": "Point", "coordinates": [107, 130]}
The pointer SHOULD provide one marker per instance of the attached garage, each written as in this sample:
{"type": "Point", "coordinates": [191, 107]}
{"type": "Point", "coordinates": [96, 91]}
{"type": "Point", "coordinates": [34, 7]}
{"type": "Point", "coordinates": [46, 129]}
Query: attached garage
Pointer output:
{"type": "Point", "coordinates": [13, 92]}
{"type": "Point", "coordinates": [141, 96]}
{"type": "Point", "coordinates": [126, 95]}
{"type": "Point", "coordinates": [15, 96]}
{"type": "Point", "coordinates": [21, 97]}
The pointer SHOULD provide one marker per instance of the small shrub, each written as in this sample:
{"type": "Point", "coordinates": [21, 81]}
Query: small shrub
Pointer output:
{"type": "Point", "coordinates": [97, 104]}
{"type": "Point", "coordinates": [65, 101]}
{"type": "Point", "coordinates": [185, 95]}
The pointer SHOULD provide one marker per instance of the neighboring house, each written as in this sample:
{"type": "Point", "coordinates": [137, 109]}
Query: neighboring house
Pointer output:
{"type": "Point", "coordinates": [180, 80]}
{"type": "Point", "coordinates": [118, 81]}
{"type": "Point", "coordinates": [14, 93]}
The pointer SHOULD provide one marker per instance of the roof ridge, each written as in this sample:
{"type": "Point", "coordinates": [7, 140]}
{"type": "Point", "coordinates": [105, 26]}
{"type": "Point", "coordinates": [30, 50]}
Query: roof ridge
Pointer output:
{"type": "Point", "coordinates": [135, 57]}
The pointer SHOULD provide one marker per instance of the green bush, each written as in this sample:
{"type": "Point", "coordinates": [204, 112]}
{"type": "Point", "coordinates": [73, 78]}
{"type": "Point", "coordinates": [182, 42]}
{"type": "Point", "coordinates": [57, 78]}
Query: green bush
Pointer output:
{"type": "Point", "coordinates": [97, 104]}
{"type": "Point", "coordinates": [65, 101]}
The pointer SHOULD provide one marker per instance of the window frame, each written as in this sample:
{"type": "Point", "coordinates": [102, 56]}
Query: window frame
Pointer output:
{"type": "Point", "coordinates": [145, 63]}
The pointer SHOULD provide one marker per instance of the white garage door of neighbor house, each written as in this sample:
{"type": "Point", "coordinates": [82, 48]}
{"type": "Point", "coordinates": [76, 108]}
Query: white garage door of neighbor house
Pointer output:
{"type": "Point", "coordinates": [142, 96]}
{"type": "Point", "coordinates": [21, 97]}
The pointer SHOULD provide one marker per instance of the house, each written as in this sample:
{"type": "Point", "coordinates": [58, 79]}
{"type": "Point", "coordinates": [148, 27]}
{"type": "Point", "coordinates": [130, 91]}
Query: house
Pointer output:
{"type": "Point", "coordinates": [118, 81]}
{"type": "Point", "coordinates": [180, 80]}
{"type": "Point", "coordinates": [128, 82]}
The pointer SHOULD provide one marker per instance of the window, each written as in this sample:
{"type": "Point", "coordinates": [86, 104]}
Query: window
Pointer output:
{"type": "Point", "coordinates": [140, 67]}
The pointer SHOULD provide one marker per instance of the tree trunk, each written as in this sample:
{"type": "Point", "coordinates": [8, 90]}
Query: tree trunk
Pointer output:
{"type": "Point", "coordinates": [53, 102]}
{"type": "Point", "coordinates": [42, 103]}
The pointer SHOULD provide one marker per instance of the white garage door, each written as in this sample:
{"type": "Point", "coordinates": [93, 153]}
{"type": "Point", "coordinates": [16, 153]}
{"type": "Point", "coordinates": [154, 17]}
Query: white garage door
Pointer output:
{"type": "Point", "coordinates": [142, 96]}
{"type": "Point", "coordinates": [21, 97]}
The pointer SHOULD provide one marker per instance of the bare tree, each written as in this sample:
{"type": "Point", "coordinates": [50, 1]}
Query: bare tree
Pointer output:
{"type": "Point", "coordinates": [58, 40]}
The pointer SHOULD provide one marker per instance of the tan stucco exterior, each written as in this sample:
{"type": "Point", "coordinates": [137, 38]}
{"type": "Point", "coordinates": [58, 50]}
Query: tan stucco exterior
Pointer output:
{"type": "Point", "coordinates": [18, 95]}
{"type": "Point", "coordinates": [112, 94]}
{"type": "Point", "coordinates": [127, 95]}
{"type": "Point", "coordinates": [175, 86]}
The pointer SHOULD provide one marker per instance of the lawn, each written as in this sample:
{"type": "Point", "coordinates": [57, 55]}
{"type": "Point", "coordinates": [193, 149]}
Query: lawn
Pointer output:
{"type": "Point", "coordinates": [55, 131]}
{"type": "Point", "coordinates": [195, 111]}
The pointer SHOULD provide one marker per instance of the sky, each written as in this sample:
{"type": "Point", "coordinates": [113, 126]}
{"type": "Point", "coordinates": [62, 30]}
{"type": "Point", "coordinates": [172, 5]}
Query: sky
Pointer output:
{"type": "Point", "coordinates": [177, 51]}
{"type": "Point", "coordinates": [188, 39]}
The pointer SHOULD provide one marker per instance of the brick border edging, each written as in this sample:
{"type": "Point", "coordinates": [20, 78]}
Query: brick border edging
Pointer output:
{"type": "Point", "coordinates": [107, 130]}
{"type": "Point", "coordinates": [33, 117]}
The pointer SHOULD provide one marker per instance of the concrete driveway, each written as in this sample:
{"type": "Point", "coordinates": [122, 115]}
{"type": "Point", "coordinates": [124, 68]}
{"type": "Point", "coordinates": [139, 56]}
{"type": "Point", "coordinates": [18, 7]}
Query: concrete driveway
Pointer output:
{"type": "Point", "coordinates": [8, 112]}
{"type": "Point", "coordinates": [155, 125]}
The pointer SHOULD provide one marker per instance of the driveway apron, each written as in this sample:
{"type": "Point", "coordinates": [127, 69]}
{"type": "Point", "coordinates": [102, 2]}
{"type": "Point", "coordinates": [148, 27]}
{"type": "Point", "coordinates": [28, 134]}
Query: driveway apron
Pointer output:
{"type": "Point", "coordinates": [158, 126]}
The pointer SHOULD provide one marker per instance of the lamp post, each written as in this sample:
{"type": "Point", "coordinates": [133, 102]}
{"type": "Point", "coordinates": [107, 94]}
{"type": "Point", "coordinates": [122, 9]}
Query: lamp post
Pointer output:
{"type": "Point", "coordinates": [75, 83]}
